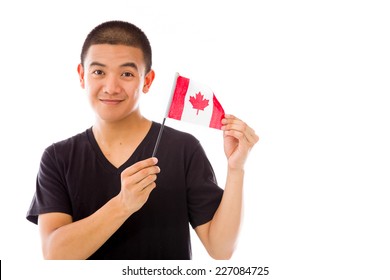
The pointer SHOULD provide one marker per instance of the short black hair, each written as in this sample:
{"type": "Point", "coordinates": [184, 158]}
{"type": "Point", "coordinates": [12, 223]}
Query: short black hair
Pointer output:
{"type": "Point", "coordinates": [119, 33]}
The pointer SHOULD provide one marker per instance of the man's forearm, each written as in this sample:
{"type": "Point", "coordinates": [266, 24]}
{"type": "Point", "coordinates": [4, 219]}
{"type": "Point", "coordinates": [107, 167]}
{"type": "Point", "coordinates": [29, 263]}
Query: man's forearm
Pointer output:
{"type": "Point", "coordinates": [79, 240]}
{"type": "Point", "coordinates": [225, 225]}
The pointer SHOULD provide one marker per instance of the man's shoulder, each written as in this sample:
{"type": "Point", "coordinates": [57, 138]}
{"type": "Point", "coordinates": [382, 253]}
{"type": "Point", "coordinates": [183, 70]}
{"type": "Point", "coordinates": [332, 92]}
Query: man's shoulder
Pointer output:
{"type": "Point", "coordinates": [77, 141]}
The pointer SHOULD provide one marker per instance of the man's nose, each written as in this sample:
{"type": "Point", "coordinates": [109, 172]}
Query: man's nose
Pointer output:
{"type": "Point", "coordinates": [112, 85]}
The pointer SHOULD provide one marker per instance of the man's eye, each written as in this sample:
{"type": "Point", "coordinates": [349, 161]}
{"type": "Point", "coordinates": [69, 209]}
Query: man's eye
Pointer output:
{"type": "Point", "coordinates": [127, 74]}
{"type": "Point", "coordinates": [98, 72]}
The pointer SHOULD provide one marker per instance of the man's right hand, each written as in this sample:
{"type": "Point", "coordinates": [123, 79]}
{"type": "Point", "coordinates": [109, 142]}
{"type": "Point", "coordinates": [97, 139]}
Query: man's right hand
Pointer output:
{"type": "Point", "coordinates": [137, 182]}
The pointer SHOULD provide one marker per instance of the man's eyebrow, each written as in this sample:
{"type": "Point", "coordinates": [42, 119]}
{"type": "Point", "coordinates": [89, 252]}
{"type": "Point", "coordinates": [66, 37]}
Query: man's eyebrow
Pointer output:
{"type": "Point", "coordinates": [127, 64]}
{"type": "Point", "coordinates": [95, 63]}
{"type": "Point", "coordinates": [130, 64]}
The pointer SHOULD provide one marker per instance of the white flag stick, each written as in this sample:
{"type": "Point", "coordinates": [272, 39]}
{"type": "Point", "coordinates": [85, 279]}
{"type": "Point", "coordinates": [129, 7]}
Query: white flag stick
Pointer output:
{"type": "Point", "coordinates": [166, 115]}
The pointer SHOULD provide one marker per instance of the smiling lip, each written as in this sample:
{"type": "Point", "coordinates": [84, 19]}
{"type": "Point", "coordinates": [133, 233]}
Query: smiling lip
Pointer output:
{"type": "Point", "coordinates": [111, 101]}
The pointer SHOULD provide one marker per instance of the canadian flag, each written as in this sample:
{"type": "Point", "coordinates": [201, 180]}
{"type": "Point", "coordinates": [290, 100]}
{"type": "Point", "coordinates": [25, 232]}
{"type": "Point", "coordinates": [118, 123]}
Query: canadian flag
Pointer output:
{"type": "Point", "coordinates": [194, 102]}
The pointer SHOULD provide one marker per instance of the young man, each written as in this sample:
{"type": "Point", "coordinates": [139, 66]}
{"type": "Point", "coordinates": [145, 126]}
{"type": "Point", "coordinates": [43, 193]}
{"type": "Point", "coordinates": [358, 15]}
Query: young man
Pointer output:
{"type": "Point", "coordinates": [100, 194]}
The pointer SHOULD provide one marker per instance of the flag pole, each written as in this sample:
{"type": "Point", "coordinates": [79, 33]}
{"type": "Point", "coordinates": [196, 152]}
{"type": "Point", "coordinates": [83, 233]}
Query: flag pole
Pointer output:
{"type": "Point", "coordinates": [166, 115]}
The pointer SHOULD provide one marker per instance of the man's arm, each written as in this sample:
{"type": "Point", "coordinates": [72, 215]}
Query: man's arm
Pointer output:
{"type": "Point", "coordinates": [64, 239]}
{"type": "Point", "coordinates": [219, 236]}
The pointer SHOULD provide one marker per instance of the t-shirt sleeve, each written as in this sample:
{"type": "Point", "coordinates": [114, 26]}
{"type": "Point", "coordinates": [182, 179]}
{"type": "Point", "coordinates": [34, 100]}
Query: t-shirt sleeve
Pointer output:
{"type": "Point", "coordinates": [204, 194]}
{"type": "Point", "coordinates": [51, 194]}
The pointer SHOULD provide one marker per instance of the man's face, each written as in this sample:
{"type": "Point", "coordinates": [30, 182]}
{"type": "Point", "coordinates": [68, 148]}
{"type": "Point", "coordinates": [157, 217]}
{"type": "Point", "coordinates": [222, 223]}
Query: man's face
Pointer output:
{"type": "Point", "coordinates": [113, 76]}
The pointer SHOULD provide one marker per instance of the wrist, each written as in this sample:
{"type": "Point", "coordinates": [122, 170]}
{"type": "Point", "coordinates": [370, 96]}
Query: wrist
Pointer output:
{"type": "Point", "coordinates": [121, 207]}
{"type": "Point", "coordinates": [235, 170]}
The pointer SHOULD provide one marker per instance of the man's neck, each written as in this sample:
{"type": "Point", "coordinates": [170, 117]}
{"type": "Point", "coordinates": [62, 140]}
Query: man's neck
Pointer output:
{"type": "Point", "coordinates": [112, 133]}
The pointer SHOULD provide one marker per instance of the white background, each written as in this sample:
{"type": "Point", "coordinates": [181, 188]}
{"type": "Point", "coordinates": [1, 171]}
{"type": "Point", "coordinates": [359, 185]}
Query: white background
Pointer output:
{"type": "Point", "coordinates": [311, 77]}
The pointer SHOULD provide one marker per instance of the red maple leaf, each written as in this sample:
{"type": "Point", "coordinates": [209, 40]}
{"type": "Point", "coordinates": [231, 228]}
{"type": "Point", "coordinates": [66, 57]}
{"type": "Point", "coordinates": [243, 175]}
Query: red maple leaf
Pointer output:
{"type": "Point", "coordinates": [199, 102]}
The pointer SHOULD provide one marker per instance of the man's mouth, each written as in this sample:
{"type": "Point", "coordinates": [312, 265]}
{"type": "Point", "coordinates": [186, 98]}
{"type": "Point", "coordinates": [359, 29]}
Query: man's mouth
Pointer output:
{"type": "Point", "coordinates": [111, 101]}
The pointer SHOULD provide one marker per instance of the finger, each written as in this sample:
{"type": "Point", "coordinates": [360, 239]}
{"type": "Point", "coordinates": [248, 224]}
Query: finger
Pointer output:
{"type": "Point", "coordinates": [145, 192]}
{"type": "Point", "coordinates": [149, 186]}
{"type": "Point", "coordinates": [235, 125]}
{"type": "Point", "coordinates": [229, 116]}
{"type": "Point", "coordinates": [141, 178]}
{"type": "Point", "coordinates": [230, 119]}
{"type": "Point", "coordinates": [136, 167]}
{"type": "Point", "coordinates": [236, 134]}
{"type": "Point", "coordinates": [243, 133]}
{"type": "Point", "coordinates": [148, 183]}
{"type": "Point", "coordinates": [140, 174]}
{"type": "Point", "coordinates": [239, 125]}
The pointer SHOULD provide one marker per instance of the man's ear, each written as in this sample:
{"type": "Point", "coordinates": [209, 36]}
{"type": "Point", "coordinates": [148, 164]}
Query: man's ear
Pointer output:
{"type": "Point", "coordinates": [148, 81]}
{"type": "Point", "coordinates": [80, 70]}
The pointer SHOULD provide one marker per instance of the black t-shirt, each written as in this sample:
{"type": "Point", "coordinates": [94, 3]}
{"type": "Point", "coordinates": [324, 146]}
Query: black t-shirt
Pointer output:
{"type": "Point", "coordinates": [76, 178]}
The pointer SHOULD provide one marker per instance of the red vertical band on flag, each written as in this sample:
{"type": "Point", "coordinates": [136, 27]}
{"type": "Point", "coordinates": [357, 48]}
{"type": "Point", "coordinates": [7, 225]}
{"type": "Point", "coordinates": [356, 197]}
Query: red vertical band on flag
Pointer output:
{"type": "Point", "coordinates": [178, 98]}
{"type": "Point", "coordinates": [218, 114]}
